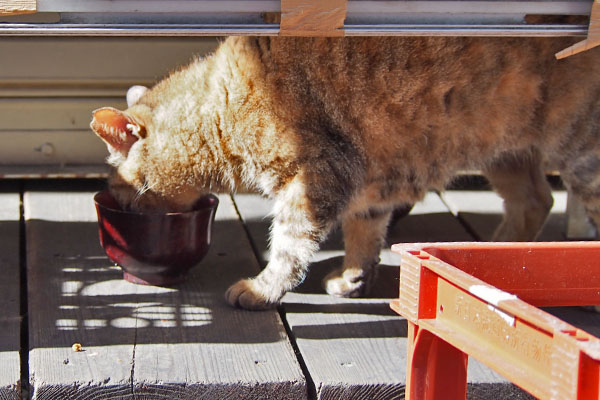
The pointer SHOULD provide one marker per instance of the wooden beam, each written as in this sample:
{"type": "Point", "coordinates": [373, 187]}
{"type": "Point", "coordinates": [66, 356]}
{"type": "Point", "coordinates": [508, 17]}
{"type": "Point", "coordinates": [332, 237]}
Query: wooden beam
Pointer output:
{"type": "Point", "coordinates": [356, 348]}
{"type": "Point", "coordinates": [312, 18]}
{"type": "Point", "coordinates": [593, 38]}
{"type": "Point", "coordinates": [182, 342]}
{"type": "Point", "coordinates": [14, 7]}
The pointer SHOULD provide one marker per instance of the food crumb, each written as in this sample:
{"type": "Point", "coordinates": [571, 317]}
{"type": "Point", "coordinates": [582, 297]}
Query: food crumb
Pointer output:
{"type": "Point", "coordinates": [77, 347]}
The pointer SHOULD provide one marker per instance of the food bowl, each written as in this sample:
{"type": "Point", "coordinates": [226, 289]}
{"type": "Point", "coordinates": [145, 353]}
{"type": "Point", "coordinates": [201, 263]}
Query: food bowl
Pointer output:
{"type": "Point", "coordinates": [155, 249]}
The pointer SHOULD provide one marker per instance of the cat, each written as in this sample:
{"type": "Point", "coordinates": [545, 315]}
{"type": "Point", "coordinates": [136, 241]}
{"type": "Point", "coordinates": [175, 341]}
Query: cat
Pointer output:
{"type": "Point", "coordinates": [345, 129]}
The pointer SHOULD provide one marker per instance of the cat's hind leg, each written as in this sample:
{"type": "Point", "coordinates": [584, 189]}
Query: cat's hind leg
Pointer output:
{"type": "Point", "coordinates": [520, 180]}
{"type": "Point", "coordinates": [364, 236]}
{"type": "Point", "coordinates": [581, 175]}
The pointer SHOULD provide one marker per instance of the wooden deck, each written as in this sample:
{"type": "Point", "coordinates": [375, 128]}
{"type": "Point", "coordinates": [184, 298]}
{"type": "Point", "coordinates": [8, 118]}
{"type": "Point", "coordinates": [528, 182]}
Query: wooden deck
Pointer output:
{"type": "Point", "coordinates": [186, 342]}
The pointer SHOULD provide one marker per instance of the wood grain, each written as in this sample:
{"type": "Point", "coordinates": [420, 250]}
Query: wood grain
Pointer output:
{"type": "Point", "coordinates": [14, 7]}
{"type": "Point", "coordinates": [218, 352]}
{"type": "Point", "coordinates": [10, 319]}
{"type": "Point", "coordinates": [185, 342]}
{"type": "Point", "coordinates": [65, 263]}
{"type": "Point", "coordinates": [356, 348]}
{"type": "Point", "coordinates": [352, 348]}
{"type": "Point", "coordinates": [593, 37]}
{"type": "Point", "coordinates": [313, 18]}
{"type": "Point", "coordinates": [143, 341]}
{"type": "Point", "coordinates": [482, 211]}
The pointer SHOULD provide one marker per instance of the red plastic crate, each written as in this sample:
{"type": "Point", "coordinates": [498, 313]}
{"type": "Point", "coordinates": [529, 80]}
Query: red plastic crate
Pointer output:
{"type": "Point", "coordinates": [480, 299]}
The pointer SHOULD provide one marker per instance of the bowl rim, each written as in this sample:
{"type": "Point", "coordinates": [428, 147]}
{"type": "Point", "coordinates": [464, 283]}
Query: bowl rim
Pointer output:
{"type": "Point", "coordinates": [215, 203]}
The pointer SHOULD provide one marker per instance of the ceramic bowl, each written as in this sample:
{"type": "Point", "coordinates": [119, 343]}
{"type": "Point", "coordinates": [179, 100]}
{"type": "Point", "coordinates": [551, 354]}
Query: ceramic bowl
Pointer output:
{"type": "Point", "coordinates": [155, 249]}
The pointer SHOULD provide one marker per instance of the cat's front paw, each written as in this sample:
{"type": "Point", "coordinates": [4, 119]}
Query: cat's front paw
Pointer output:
{"type": "Point", "coordinates": [348, 282]}
{"type": "Point", "coordinates": [248, 294]}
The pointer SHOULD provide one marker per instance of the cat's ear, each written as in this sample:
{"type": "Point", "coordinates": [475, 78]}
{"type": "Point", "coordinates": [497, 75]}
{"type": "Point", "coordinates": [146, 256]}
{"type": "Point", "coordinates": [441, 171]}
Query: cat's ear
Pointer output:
{"type": "Point", "coordinates": [118, 130]}
{"type": "Point", "coordinates": [134, 93]}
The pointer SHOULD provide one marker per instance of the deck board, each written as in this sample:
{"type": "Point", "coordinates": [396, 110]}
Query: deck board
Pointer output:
{"type": "Point", "coordinates": [64, 263]}
{"type": "Point", "coordinates": [182, 342]}
{"type": "Point", "coordinates": [186, 342]}
{"type": "Point", "coordinates": [10, 288]}
{"type": "Point", "coordinates": [482, 212]}
{"type": "Point", "coordinates": [356, 348]}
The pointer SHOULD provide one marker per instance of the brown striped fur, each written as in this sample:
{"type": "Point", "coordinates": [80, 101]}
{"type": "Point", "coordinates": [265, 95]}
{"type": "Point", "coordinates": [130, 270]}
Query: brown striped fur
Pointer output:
{"type": "Point", "coordinates": [345, 129]}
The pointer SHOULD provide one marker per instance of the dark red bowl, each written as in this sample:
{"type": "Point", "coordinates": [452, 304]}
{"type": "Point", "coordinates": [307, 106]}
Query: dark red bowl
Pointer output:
{"type": "Point", "coordinates": [155, 249]}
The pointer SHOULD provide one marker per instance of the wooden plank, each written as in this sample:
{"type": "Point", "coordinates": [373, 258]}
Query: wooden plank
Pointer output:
{"type": "Point", "coordinates": [356, 348]}
{"type": "Point", "coordinates": [429, 220]}
{"type": "Point", "coordinates": [225, 18]}
{"type": "Point", "coordinates": [15, 7]}
{"type": "Point", "coordinates": [482, 211]}
{"type": "Point", "coordinates": [65, 263]}
{"type": "Point", "coordinates": [31, 18]}
{"type": "Point", "coordinates": [308, 18]}
{"type": "Point", "coordinates": [593, 37]}
{"type": "Point", "coordinates": [182, 342]}
{"type": "Point", "coordinates": [217, 351]}
{"type": "Point", "coordinates": [10, 320]}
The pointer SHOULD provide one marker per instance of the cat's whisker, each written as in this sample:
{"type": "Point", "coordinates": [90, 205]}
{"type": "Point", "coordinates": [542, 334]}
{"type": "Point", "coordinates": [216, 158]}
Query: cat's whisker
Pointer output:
{"type": "Point", "coordinates": [145, 187]}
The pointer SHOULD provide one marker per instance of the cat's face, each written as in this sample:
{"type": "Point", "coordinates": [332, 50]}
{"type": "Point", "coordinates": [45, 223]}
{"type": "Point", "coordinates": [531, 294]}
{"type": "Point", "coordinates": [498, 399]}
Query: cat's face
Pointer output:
{"type": "Point", "coordinates": [141, 179]}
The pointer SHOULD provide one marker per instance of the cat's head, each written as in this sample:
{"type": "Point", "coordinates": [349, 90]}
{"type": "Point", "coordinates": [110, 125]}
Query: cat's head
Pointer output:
{"type": "Point", "coordinates": [145, 176]}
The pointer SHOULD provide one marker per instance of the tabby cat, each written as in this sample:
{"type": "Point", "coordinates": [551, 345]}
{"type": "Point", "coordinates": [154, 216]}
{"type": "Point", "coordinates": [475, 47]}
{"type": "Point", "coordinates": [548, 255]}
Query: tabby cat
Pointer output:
{"type": "Point", "coordinates": [345, 129]}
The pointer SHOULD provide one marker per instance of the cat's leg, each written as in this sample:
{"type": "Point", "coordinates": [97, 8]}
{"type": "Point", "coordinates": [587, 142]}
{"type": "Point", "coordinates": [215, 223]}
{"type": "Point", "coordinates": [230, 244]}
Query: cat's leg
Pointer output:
{"type": "Point", "coordinates": [295, 237]}
{"type": "Point", "coordinates": [364, 236]}
{"type": "Point", "coordinates": [582, 175]}
{"type": "Point", "coordinates": [521, 182]}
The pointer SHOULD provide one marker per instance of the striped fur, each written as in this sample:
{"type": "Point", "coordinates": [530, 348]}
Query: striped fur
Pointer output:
{"type": "Point", "coordinates": [345, 129]}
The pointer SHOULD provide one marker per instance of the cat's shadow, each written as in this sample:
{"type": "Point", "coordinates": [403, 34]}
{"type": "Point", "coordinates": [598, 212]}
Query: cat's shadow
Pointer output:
{"type": "Point", "coordinates": [329, 258]}
{"type": "Point", "coordinates": [431, 227]}
{"type": "Point", "coordinates": [385, 285]}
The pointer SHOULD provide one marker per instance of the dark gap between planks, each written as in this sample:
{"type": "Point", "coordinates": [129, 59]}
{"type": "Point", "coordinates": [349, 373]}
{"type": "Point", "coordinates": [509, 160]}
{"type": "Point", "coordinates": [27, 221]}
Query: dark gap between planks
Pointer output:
{"type": "Point", "coordinates": [23, 305]}
{"type": "Point", "coordinates": [476, 183]}
{"type": "Point", "coordinates": [310, 385]}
